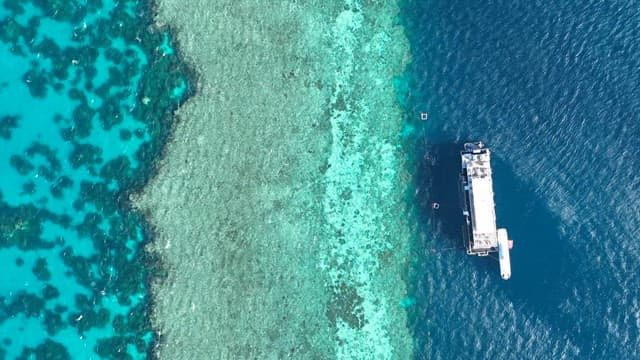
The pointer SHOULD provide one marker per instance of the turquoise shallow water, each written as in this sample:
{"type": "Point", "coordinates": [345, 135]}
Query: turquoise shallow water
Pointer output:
{"type": "Point", "coordinates": [87, 89]}
{"type": "Point", "coordinates": [552, 88]}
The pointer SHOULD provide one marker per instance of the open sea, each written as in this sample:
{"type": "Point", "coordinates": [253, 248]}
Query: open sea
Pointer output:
{"type": "Point", "coordinates": [553, 88]}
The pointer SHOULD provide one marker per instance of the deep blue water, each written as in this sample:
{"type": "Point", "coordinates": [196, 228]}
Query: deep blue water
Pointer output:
{"type": "Point", "coordinates": [553, 87]}
{"type": "Point", "coordinates": [87, 89]}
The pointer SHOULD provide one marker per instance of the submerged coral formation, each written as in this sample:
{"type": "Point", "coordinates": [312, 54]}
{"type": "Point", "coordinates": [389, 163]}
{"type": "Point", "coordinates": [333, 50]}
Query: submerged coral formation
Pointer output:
{"type": "Point", "coordinates": [279, 207]}
{"type": "Point", "coordinates": [78, 137]}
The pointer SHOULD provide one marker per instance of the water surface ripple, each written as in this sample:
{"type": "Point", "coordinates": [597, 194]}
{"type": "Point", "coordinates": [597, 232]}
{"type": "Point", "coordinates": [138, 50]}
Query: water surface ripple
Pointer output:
{"type": "Point", "coordinates": [552, 87]}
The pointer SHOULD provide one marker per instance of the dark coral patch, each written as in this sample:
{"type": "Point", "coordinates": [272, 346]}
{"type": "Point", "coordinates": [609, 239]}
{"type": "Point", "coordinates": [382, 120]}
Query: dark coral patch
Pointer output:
{"type": "Point", "coordinates": [36, 80]}
{"type": "Point", "coordinates": [80, 267]}
{"type": "Point", "coordinates": [48, 49]}
{"type": "Point", "coordinates": [46, 173]}
{"type": "Point", "coordinates": [7, 124]}
{"type": "Point", "coordinates": [21, 164]}
{"type": "Point", "coordinates": [48, 350]}
{"type": "Point", "coordinates": [53, 322]}
{"type": "Point", "coordinates": [346, 304]}
{"type": "Point", "coordinates": [110, 113]}
{"type": "Point", "coordinates": [46, 152]}
{"type": "Point", "coordinates": [21, 227]}
{"type": "Point", "coordinates": [118, 169]}
{"type": "Point", "coordinates": [100, 195]}
{"type": "Point", "coordinates": [25, 303]}
{"type": "Point", "coordinates": [85, 155]}
{"type": "Point", "coordinates": [61, 10]}
{"type": "Point", "coordinates": [125, 134]}
{"type": "Point", "coordinates": [63, 182]}
{"type": "Point", "coordinates": [114, 347]}
{"type": "Point", "coordinates": [88, 318]}
{"type": "Point", "coordinates": [82, 118]}
{"type": "Point", "coordinates": [15, 6]}
{"type": "Point", "coordinates": [50, 292]}
{"type": "Point", "coordinates": [40, 270]}
{"type": "Point", "coordinates": [28, 188]}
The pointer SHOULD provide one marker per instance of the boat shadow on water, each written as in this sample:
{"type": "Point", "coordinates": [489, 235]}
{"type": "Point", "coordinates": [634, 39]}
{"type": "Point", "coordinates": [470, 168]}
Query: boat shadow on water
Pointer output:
{"type": "Point", "coordinates": [542, 260]}
{"type": "Point", "coordinates": [541, 257]}
{"type": "Point", "coordinates": [437, 180]}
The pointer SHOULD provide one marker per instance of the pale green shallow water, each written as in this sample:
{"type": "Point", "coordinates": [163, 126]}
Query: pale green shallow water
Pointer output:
{"type": "Point", "coordinates": [279, 205]}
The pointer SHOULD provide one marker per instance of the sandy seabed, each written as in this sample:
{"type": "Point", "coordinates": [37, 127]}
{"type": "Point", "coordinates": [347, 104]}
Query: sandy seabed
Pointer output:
{"type": "Point", "coordinates": [278, 206]}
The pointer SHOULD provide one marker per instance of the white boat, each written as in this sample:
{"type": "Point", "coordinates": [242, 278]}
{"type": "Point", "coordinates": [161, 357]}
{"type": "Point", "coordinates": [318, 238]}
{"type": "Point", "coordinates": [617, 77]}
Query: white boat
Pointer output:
{"type": "Point", "coordinates": [481, 235]}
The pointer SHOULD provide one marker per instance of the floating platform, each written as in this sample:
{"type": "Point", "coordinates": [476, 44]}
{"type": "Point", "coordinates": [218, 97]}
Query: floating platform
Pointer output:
{"type": "Point", "coordinates": [481, 235]}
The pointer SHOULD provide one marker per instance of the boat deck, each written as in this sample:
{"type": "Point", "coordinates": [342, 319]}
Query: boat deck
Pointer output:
{"type": "Point", "coordinates": [478, 203]}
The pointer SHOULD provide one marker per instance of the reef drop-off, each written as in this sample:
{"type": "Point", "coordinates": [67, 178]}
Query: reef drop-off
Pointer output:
{"type": "Point", "coordinates": [278, 206]}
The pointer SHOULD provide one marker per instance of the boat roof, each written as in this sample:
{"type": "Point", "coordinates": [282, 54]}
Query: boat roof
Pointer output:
{"type": "Point", "coordinates": [482, 205]}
